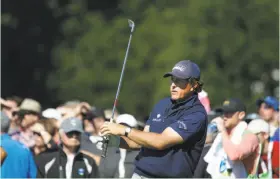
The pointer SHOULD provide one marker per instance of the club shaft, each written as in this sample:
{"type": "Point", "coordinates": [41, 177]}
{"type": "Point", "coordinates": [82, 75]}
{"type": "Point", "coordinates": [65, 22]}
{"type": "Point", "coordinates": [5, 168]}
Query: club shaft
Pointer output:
{"type": "Point", "coordinates": [107, 138]}
{"type": "Point", "coordinates": [121, 78]}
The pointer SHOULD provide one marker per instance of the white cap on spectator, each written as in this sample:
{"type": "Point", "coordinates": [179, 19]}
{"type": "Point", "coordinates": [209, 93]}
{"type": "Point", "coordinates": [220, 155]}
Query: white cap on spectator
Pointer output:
{"type": "Point", "coordinates": [258, 125]}
{"type": "Point", "coordinates": [108, 113]}
{"type": "Point", "coordinates": [29, 104]}
{"type": "Point", "coordinates": [52, 113]}
{"type": "Point", "coordinates": [127, 119]}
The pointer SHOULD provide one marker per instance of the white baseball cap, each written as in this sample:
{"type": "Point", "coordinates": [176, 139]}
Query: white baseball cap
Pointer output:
{"type": "Point", "coordinates": [258, 125]}
{"type": "Point", "coordinates": [29, 104]}
{"type": "Point", "coordinates": [52, 113]}
{"type": "Point", "coordinates": [127, 119]}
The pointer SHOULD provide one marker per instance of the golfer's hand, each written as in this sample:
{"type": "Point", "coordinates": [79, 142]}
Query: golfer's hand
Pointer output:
{"type": "Point", "coordinates": [220, 123]}
{"type": "Point", "coordinates": [109, 128]}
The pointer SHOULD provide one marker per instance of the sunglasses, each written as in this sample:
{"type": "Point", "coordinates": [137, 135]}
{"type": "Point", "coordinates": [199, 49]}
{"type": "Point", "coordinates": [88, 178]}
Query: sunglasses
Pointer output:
{"type": "Point", "coordinates": [36, 133]}
{"type": "Point", "coordinates": [179, 80]}
{"type": "Point", "coordinates": [72, 134]}
{"type": "Point", "coordinates": [31, 113]}
{"type": "Point", "coordinates": [5, 107]}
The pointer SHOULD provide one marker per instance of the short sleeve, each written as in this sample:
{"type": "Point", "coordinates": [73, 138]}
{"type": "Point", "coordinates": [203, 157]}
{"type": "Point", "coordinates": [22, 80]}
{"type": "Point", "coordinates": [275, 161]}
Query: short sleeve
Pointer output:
{"type": "Point", "coordinates": [189, 126]}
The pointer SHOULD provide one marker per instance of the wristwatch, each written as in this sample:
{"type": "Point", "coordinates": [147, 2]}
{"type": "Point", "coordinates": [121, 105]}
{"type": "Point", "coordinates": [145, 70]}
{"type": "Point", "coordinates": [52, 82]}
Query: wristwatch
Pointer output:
{"type": "Point", "coordinates": [127, 130]}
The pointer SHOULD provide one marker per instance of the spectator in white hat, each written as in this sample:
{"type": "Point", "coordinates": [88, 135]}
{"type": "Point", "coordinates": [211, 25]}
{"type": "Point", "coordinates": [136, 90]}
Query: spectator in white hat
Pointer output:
{"type": "Point", "coordinates": [261, 129]}
{"type": "Point", "coordinates": [127, 157]}
{"type": "Point", "coordinates": [52, 113]}
{"type": "Point", "coordinates": [29, 114]}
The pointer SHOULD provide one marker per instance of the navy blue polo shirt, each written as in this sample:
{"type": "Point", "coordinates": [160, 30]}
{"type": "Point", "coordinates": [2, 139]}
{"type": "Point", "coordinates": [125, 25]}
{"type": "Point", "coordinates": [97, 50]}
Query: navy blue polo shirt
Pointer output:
{"type": "Point", "coordinates": [189, 119]}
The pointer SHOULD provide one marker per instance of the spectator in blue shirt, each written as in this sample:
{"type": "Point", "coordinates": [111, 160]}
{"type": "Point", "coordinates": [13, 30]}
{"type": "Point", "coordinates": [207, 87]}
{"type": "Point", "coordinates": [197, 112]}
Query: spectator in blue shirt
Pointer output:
{"type": "Point", "coordinates": [19, 162]}
{"type": "Point", "coordinates": [174, 135]}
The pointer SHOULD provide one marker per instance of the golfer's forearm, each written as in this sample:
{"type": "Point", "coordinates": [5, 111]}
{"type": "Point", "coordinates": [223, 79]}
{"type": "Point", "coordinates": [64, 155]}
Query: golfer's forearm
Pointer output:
{"type": "Point", "coordinates": [147, 139]}
{"type": "Point", "coordinates": [126, 143]}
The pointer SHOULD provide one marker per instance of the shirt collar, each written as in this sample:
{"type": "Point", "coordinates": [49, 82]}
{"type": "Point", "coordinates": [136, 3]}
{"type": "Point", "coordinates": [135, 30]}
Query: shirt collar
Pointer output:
{"type": "Point", "coordinates": [185, 101]}
{"type": "Point", "coordinates": [60, 148]}
{"type": "Point", "coordinates": [176, 106]}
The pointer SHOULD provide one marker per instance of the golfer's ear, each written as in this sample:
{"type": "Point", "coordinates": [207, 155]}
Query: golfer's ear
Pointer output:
{"type": "Point", "coordinates": [241, 115]}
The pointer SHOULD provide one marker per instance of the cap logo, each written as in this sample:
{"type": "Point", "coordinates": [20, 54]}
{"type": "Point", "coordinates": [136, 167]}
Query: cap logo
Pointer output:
{"type": "Point", "coordinates": [226, 103]}
{"type": "Point", "coordinates": [182, 125]}
{"type": "Point", "coordinates": [179, 67]}
{"type": "Point", "coordinates": [81, 171]}
{"type": "Point", "coordinates": [73, 123]}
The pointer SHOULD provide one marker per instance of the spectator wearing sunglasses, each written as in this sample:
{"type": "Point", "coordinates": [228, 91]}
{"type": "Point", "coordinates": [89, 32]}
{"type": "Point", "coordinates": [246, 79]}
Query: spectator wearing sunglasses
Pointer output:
{"type": "Point", "coordinates": [43, 139]}
{"type": "Point", "coordinates": [9, 106]}
{"type": "Point", "coordinates": [28, 114]}
{"type": "Point", "coordinates": [268, 109]}
{"type": "Point", "coordinates": [68, 161]}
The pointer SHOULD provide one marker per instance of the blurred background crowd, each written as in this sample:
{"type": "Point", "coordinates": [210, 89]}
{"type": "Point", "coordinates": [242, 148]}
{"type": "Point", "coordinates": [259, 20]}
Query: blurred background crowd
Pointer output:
{"type": "Point", "coordinates": [56, 50]}
{"type": "Point", "coordinates": [38, 129]}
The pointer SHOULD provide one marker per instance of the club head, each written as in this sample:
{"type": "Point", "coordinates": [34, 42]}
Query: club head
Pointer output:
{"type": "Point", "coordinates": [131, 25]}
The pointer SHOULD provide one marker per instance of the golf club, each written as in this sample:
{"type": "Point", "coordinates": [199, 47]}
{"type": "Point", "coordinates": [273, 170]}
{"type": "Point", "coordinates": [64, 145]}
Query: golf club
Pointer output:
{"type": "Point", "coordinates": [107, 138]}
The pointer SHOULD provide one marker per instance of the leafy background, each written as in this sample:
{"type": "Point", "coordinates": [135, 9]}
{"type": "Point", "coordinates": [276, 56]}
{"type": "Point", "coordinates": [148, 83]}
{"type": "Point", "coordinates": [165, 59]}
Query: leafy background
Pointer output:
{"type": "Point", "coordinates": [59, 50]}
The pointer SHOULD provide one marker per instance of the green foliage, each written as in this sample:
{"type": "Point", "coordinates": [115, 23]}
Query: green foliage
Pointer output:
{"type": "Point", "coordinates": [234, 42]}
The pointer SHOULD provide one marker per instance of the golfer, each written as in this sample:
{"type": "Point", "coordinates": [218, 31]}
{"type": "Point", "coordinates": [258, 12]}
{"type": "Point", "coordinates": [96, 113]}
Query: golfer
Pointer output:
{"type": "Point", "coordinates": [174, 135]}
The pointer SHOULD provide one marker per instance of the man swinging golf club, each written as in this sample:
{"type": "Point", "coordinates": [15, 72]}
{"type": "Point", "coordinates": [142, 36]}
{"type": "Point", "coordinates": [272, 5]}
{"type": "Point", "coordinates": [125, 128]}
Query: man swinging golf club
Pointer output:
{"type": "Point", "coordinates": [174, 135]}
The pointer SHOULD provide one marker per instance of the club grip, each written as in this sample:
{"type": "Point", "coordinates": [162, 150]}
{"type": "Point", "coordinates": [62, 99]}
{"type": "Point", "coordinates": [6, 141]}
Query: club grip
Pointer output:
{"type": "Point", "coordinates": [105, 146]}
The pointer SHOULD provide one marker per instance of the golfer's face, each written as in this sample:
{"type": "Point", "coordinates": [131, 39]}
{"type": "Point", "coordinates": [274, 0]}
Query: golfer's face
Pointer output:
{"type": "Point", "coordinates": [179, 88]}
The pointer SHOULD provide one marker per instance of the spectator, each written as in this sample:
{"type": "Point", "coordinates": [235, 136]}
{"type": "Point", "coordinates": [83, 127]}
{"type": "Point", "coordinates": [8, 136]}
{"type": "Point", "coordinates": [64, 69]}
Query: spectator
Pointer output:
{"type": "Point", "coordinates": [68, 162]}
{"type": "Point", "coordinates": [29, 114]}
{"type": "Point", "coordinates": [52, 113]}
{"type": "Point", "coordinates": [250, 117]}
{"type": "Point", "coordinates": [108, 114]}
{"type": "Point", "coordinates": [42, 140]}
{"type": "Point", "coordinates": [52, 127]}
{"type": "Point", "coordinates": [127, 156]}
{"type": "Point", "coordinates": [230, 155]}
{"type": "Point", "coordinates": [19, 162]}
{"type": "Point", "coordinates": [272, 158]}
{"type": "Point", "coordinates": [241, 152]}
{"type": "Point", "coordinates": [92, 142]}
{"type": "Point", "coordinates": [260, 129]}
{"type": "Point", "coordinates": [15, 100]}
{"type": "Point", "coordinates": [213, 114]}
{"type": "Point", "coordinates": [81, 111]}
{"type": "Point", "coordinates": [74, 109]}
{"type": "Point", "coordinates": [276, 135]}
{"type": "Point", "coordinates": [107, 166]}
{"type": "Point", "coordinates": [200, 171]}
{"type": "Point", "coordinates": [9, 106]}
{"type": "Point", "coordinates": [268, 109]}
